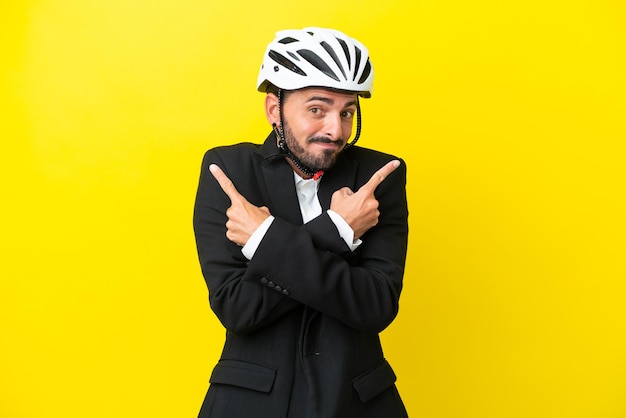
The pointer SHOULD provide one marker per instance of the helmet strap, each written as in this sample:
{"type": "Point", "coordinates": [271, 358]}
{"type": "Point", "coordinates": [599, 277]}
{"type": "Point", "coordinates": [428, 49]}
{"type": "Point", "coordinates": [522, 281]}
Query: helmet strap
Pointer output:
{"type": "Point", "coordinates": [284, 149]}
{"type": "Point", "coordinates": [358, 125]}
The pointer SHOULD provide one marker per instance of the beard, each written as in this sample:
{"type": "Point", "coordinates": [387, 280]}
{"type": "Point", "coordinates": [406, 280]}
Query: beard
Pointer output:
{"type": "Point", "coordinates": [322, 161]}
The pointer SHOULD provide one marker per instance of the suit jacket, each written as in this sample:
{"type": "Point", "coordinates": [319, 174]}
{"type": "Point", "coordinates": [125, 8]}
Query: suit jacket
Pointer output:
{"type": "Point", "coordinates": [303, 316]}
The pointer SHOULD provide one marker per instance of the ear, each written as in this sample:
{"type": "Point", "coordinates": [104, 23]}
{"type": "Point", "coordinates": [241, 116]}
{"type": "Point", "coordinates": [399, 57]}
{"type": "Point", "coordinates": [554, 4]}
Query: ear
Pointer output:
{"type": "Point", "coordinates": [271, 109]}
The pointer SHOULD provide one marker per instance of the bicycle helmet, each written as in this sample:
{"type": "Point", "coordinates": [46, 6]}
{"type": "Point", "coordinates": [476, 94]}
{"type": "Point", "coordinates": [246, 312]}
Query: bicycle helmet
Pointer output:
{"type": "Point", "coordinates": [316, 57]}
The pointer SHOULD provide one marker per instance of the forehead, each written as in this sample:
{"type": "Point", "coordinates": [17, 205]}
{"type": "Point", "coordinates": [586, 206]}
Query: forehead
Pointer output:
{"type": "Point", "coordinates": [335, 97]}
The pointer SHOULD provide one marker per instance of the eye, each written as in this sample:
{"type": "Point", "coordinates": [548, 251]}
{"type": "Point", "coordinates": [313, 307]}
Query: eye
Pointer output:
{"type": "Point", "coordinates": [347, 114]}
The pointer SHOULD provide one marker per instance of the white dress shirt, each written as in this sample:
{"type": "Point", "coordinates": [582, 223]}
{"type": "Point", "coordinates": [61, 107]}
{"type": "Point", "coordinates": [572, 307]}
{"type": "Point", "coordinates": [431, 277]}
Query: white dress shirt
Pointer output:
{"type": "Point", "coordinates": [310, 208]}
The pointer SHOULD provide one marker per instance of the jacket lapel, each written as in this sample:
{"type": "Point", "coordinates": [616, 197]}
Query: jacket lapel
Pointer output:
{"type": "Point", "coordinates": [342, 174]}
{"type": "Point", "coordinates": [279, 183]}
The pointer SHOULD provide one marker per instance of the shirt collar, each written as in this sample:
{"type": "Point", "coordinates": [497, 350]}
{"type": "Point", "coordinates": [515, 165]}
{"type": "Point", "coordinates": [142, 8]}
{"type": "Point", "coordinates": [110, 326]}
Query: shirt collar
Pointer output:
{"type": "Point", "coordinates": [300, 181]}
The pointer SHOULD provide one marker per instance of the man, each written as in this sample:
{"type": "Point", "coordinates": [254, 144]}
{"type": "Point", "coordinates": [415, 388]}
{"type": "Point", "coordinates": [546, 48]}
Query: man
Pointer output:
{"type": "Point", "coordinates": [302, 242]}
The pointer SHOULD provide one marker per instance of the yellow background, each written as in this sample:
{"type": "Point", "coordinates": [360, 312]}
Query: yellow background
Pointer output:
{"type": "Point", "coordinates": [510, 115]}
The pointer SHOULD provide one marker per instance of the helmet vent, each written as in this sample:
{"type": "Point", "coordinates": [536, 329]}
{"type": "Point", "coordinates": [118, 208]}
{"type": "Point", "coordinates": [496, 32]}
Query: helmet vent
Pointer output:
{"type": "Point", "coordinates": [287, 40]}
{"type": "Point", "coordinates": [366, 72]}
{"type": "Point", "coordinates": [331, 52]}
{"type": "Point", "coordinates": [344, 46]}
{"type": "Point", "coordinates": [318, 63]}
{"type": "Point", "coordinates": [285, 62]}
{"type": "Point", "coordinates": [357, 62]}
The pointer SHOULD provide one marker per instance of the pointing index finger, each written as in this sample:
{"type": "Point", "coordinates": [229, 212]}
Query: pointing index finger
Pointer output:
{"type": "Point", "coordinates": [225, 183]}
{"type": "Point", "coordinates": [380, 175]}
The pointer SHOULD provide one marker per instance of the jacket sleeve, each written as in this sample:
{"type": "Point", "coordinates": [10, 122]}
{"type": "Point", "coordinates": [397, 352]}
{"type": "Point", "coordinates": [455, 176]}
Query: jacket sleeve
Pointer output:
{"type": "Point", "coordinates": [241, 306]}
{"type": "Point", "coordinates": [361, 290]}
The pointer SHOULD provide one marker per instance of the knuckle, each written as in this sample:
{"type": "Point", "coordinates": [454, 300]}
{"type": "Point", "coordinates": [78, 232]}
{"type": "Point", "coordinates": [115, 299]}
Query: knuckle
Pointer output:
{"type": "Point", "coordinates": [372, 205]}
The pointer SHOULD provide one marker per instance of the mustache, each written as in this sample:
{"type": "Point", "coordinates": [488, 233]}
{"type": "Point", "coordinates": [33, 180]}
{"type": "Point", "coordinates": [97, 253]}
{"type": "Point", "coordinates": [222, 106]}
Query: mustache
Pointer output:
{"type": "Point", "coordinates": [325, 140]}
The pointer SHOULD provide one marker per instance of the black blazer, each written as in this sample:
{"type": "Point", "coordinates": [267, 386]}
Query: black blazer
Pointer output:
{"type": "Point", "coordinates": [303, 316]}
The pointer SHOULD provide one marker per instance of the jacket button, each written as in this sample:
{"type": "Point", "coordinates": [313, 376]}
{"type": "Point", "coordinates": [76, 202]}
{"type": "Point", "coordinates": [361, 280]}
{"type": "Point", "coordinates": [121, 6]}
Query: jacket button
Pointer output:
{"type": "Point", "coordinates": [270, 284]}
{"type": "Point", "coordinates": [278, 288]}
{"type": "Point", "coordinates": [264, 280]}
{"type": "Point", "coordinates": [285, 292]}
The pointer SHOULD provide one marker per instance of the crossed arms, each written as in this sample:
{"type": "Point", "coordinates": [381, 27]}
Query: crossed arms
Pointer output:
{"type": "Point", "coordinates": [308, 263]}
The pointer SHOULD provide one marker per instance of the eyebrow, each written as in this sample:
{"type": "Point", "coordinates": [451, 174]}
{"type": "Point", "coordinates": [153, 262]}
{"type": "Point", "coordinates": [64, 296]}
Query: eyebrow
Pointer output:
{"type": "Point", "coordinates": [329, 101]}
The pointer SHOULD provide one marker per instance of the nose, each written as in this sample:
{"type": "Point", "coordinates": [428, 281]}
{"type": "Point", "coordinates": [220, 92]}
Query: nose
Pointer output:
{"type": "Point", "coordinates": [333, 127]}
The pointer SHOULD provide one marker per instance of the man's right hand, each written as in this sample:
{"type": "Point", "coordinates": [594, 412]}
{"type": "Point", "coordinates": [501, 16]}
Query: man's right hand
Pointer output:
{"type": "Point", "coordinates": [243, 217]}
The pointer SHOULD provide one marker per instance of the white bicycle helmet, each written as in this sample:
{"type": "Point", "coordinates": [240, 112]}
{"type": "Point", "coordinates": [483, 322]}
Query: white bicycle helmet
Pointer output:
{"type": "Point", "coordinates": [316, 57]}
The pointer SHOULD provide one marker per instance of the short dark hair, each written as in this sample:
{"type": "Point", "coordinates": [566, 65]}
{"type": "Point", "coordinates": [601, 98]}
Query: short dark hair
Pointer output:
{"type": "Point", "coordinates": [274, 90]}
